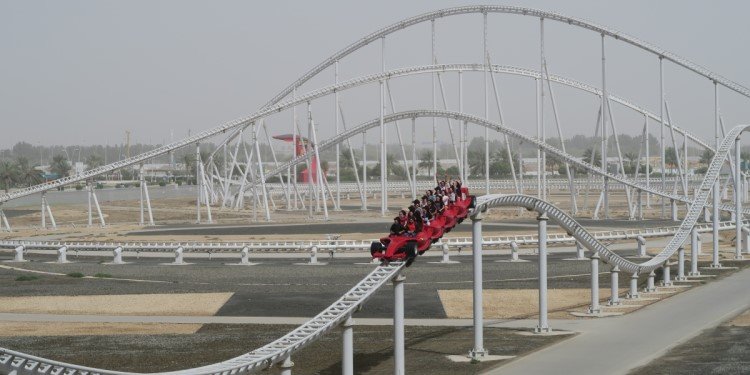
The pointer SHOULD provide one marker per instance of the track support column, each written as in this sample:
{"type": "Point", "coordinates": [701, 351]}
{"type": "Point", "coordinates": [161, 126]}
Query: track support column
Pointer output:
{"type": "Point", "coordinates": [633, 287]}
{"type": "Point", "coordinates": [347, 354]}
{"type": "Point", "coordinates": [666, 278]}
{"type": "Point", "coordinates": [543, 326]}
{"type": "Point", "coordinates": [594, 308]}
{"type": "Point", "coordinates": [399, 361]}
{"type": "Point", "coordinates": [737, 200]}
{"type": "Point", "coordinates": [19, 254]}
{"type": "Point", "coordinates": [478, 351]}
{"type": "Point", "coordinates": [614, 298]}
{"type": "Point", "coordinates": [286, 366]}
{"type": "Point", "coordinates": [650, 287]}
{"type": "Point", "coordinates": [641, 247]}
{"type": "Point", "coordinates": [681, 264]}
{"type": "Point", "coordinates": [694, 244]}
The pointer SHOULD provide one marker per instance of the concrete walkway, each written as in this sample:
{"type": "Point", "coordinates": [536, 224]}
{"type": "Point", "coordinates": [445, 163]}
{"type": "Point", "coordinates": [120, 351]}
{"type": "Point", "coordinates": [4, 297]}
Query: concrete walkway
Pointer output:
{"type": "Point", "coordinates": [618, 345]}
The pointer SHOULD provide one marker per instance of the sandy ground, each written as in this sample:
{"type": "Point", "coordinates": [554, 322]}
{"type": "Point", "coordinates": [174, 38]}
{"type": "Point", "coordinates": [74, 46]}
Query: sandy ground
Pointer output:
{"type": "Point", "coordinates": [187, 304]}
{"type": "Point", "coordinates": [26, 329]}
{"type": "Point", "coordinates": [514, 303]}
{"type": "Point", "coordinates": [743, 320]}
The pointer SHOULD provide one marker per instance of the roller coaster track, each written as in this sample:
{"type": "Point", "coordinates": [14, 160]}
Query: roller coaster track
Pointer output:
{"type": "Point", "coordinates": [18, 363]}
{"type": "Point", "coordinates": [12, 362]}
{"type": "Point", "coordinates": [587, 239]}
{"type": "Point", "coordinates": [141, 158]}
{"type": "Point", "coordinates": [428, 113]}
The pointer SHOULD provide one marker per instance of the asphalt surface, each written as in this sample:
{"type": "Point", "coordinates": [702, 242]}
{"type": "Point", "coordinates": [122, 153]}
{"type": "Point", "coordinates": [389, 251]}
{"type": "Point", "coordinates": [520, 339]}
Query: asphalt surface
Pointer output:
{"type": "Point", "coordinates": [277, 287]}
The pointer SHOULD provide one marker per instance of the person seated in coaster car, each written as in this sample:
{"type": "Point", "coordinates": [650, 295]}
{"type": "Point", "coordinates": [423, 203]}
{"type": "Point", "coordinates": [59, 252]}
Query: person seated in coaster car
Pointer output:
{"type": "Point", "coordinates": [424, 222]}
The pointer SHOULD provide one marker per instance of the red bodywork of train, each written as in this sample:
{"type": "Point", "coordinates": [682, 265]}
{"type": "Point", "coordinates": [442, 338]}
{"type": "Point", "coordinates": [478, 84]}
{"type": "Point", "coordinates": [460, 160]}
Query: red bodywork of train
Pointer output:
{"type": "Point", "coordinates": [403, 247]}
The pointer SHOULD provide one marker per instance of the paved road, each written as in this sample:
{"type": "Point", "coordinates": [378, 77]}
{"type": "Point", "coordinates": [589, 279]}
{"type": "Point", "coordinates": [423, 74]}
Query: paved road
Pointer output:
{"type": "Point", "coordinates": [617, 345]}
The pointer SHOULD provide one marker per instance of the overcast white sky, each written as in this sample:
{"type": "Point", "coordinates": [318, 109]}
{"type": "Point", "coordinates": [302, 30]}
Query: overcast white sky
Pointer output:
{"type": "Point", "coordinates": [82, 72]}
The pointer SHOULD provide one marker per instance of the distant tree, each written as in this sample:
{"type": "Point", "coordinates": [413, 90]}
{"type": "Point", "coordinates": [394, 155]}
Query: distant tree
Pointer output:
{"type": "Point", "coordinates": [476, 162]}
{"type": "Point", "coordinates": [27, 175]}
{"type": "Point", "coordinates": [706, 156]}
{"type": "Point", "coordinates": [60, 165]}
{"type": "Point", "coordinates": [587, 155]}
{"type": "Point", "coordinates": [8, 174]}
{"type": "Point", "coordinates": [670, 157]}
{"type": "Point", "coordinates": [94, 161]}
{"type": "Point", "coordinates": [425, 161]}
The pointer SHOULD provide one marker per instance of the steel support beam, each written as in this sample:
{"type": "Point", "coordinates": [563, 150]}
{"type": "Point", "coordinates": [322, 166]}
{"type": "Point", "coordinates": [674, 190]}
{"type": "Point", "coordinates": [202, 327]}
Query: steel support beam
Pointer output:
{"type": "Point", "coordinates": [478, 351]}
{"type": "Point", "coordinates": [543, 326]}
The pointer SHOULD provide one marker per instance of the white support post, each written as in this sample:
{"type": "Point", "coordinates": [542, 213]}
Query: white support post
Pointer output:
{"type": "Point", "coordinates": [605, 112]}
{"type": "Point", "coordinates": [347, 352]}
{"type": "Point", "coordinates": [140, 192]}
{"type": "Point", "coordinates": [44, 210]}
{"type": "Point", "coordinates": [414, 157]}
{"type": "Point", "coordinates": [318, 166]}
{"type": "Point", "coordinates": [198, 185]}
{"type": "Point", "coordinates": [446, 255]}
{"type": "Point", "coordinates": [694, 248]}
{"type": "Point", "coordinates": [737, 200]}
{"type": "Point", "coordinates": [88, 193]}
{"type": "Point", "coordinates": [364, 170]}
{"type": "Point", "coordinates": [178, 255]}
{"type": "Point", "coordinates": [261, 172]}
{"type": "Point", "coordinates": [338, 145]}
{"type": "Point", "coordinates": [662, 155]}
{"type": "Point", "coordinates": [433, 60]}
{"type": "Point", "coordinates": [543, 161]}
{"type": "Point", "coordinates": [117, 255]}
{"type": "Point", "coordinates": [486, 110]}
{"type": "Point", "coordinates": [543, 326]}
{"type": "Point", "coordinates": [716, 190]}
{"type": "Point", "coordinates": [594, 308]}
{"type": "Point", "coordinates": [245, 256]}
{"type": "Point", "coordinates": [580, 251]}
{"type": "Point", "coordinates": [478, 351]}
{"type": "Point", "coordinates": [19, 254]}
{"type": "Point", "coordinates": [513, 251]}
{"type": "Point", "coordinates": [614, 299]}
{"type": "Point", "coordinates": [681, 264]}
{"type": "Point", "coordinates": [650, 287]}
{"type": "Point", "coordinates": [647, 139]}
{"type": "Point", "coordinates": [49, 212]}
{"type": "Point", "coordinates": [4, 221]}
{"type": "Point", "coordinates": [641, 247]}
{"type": "Point", "coordinates": [144, 187]}
{"type": "Point", "coordinates": [666, 279]}
{"type": "Point", "coordinates": [633, 294]}
{"type": "Point", "coordinates": [62, 255]}
{"type": "Point", "coordinates": [746, 242]}
{"type": "Point", "coordinates": [383, 149]}
{"type": "Point", "coordinates": [399, 361]}
{"type": "Point", "coordinates": [673, 207]}
{"type": "Point", "coordinates": [286, 366]}
{"type": "Point", "coordinates": [314, 255]}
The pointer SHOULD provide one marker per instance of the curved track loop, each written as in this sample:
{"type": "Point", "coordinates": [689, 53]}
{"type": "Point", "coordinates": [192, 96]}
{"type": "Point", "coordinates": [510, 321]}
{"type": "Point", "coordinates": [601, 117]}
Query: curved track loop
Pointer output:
{"type": "Point", "coordinates": [588, 240]}
{"type": "Point", "coordinates": [321, 93]}
{"type": "Point", "coordinates": [479, 9]}
{"type": "Point", "coordinates": [428, 113]}
{"type": "Point", "coordinates": [256, 360]}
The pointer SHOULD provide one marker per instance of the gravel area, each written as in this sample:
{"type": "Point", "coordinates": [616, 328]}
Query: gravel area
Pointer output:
{"type": "Point", "coordinates": [721, 350]}
{"type": "Point", "coordinates": [426, 349]}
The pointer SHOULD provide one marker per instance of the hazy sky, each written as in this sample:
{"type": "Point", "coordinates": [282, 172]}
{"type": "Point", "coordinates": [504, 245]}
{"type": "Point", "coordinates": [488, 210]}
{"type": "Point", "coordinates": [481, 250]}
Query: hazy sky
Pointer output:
{"type": "Point", "coordinates": [82, 72]}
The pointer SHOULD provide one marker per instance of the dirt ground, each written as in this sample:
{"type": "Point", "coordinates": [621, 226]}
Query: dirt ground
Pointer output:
{"type": "Point", "coordinates": [28, 329]}
{"type": "Point", "coordinates": [184, 304]}
{"type": "Point", "coordinates": [515, 303]}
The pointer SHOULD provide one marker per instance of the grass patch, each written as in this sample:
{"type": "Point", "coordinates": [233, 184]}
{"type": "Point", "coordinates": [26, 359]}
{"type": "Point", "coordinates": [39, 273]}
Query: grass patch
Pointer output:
{"type": "Point", "coordinates": [103, 275]}
{"type": "Point", "coordinates": [75, 274]}
{"type": "Point", "coordinates": [27, 278]}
